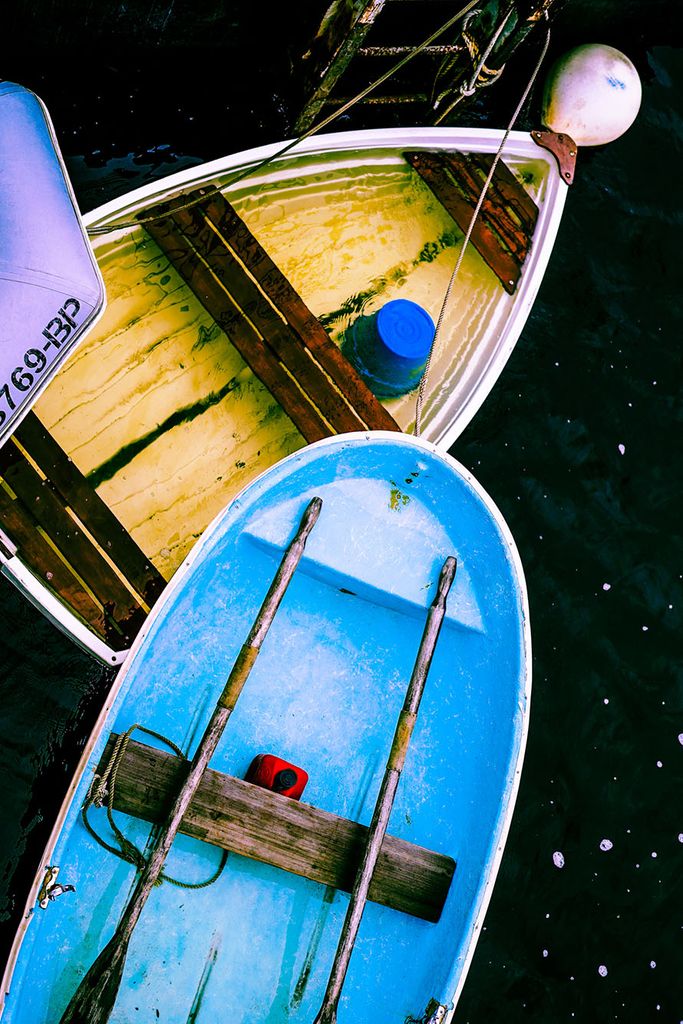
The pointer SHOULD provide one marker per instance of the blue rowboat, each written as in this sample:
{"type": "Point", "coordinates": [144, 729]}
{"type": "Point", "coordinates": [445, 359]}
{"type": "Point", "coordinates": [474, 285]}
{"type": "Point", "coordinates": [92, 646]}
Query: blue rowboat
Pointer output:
{"type": "Point", "coordinates": [323, 698]}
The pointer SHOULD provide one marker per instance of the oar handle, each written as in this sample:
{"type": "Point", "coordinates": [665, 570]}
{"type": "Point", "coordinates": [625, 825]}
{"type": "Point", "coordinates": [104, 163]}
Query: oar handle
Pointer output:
{"type": "Point", "coordinates": [387, 793]}
{"type": "Point", "coordinates": [221, 713]}
{"type": "Point", "coordinates": [94, 999]}
{"type": "Point", "coordinates": [271, 602]}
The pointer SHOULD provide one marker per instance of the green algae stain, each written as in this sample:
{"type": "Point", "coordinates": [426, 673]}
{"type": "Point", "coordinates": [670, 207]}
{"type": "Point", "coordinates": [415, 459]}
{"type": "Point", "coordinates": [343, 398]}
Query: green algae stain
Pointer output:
{"type": "Point", "coordinates": [397, 499]}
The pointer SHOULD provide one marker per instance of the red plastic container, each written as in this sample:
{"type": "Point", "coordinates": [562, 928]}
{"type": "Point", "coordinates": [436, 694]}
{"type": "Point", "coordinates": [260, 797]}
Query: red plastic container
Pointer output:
{"type": "Point", "coordinates": [280, 776]}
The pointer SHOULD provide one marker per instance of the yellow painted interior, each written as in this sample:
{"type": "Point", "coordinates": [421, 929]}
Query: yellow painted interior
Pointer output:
{"type": "Point", "coordinates": [349, 236]}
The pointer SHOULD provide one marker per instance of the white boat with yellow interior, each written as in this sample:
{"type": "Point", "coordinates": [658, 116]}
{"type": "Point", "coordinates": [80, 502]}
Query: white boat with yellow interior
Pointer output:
{"type": "Point", "coordinates": [253, 305]}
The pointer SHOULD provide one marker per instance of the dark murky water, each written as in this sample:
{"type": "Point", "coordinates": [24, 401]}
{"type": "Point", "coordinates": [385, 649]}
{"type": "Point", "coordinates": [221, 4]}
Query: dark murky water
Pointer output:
{"type": "Point", "coordinates": [579, 445]}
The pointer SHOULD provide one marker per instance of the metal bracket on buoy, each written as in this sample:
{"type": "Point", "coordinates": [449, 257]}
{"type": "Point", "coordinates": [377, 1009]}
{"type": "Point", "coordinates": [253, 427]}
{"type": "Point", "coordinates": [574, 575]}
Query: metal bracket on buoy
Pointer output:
{"type": "Point", "coordinates": [562, 147]}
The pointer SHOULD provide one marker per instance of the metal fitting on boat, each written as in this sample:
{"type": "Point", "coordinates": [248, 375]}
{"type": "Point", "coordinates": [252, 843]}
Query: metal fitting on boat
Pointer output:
{"type": "Point", "coordinates": [51, 889]}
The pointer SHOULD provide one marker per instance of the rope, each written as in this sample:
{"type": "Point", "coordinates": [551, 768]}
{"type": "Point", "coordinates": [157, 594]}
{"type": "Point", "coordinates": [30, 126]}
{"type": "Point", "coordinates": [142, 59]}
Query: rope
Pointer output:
{"type": "Point", "coordinates": [103, 789]}
{"type": "Point", "coordinates": [123, 225]}
{"type": "Point", "coordinates": [483, 76]}
{"type": "Point", "coordinates": [469, 88]}
{"type": "Point", "coordinates": [475, 213]}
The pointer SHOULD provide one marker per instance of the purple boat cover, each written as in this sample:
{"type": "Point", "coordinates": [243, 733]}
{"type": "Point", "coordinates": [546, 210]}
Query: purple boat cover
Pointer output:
{"type": "Point", "coordinates": [50, 287]}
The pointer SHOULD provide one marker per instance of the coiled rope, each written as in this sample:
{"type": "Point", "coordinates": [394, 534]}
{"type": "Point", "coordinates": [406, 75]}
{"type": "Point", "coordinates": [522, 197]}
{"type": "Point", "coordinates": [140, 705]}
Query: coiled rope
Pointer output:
{"type": "Point", "coordinates": [475, 213]}
{"type": "Point", "coordinates": [482, 76]}
{"type": "Point", "coordinates": [102, 793]}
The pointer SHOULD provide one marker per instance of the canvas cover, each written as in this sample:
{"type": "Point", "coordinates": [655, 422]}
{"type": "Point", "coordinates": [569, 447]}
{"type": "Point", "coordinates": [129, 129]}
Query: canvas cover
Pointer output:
{"type": "Point", "coordinates": [50, 287]}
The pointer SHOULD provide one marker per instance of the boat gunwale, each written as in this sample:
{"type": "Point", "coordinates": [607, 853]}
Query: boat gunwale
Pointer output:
{"type": "Point", "coordinates": [484, 140]}
{"type": "Point", "coordinates": [521, 722]}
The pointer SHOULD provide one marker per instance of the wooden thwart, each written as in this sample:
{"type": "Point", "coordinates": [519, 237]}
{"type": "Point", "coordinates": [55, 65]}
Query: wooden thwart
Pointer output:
{"type": "Point", "coordinates": [505, 226]}
{"type": "Point", "coordinates": [62, 529]}
{"type": "Point", "coordinates": [269, 324]}
{"type": "Point", "coordinates": [264, 826]}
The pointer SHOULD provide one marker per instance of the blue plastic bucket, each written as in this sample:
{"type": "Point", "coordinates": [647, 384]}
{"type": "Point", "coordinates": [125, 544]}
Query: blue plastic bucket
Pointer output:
{"type": "Point", "coordinates": [389, 348]}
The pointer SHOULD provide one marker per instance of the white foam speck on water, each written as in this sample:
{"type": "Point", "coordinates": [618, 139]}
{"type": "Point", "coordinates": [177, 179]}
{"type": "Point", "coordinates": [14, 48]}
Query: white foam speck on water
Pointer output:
{"type": "Point", "coordinates": [680, 837]}
{"type": "Point", "coordinates": [558, 859]}
{"type": "Point", "coordinates": [602, 971]}
{"type": "Point", "coordinates": [680, 738]}
{"type": "Point", "coordinates": [622, 448]}
{"type": "Point", "coordinates": [607, 586]}
{"type": "Point", "coordinates": [653, 963]}
{"type": "Point", "coordinates": [606, 844]}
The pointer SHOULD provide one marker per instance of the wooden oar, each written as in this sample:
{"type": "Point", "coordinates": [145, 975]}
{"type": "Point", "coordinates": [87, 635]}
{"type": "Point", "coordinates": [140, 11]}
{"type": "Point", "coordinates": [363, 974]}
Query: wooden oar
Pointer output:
{"type": "Point", "coordinates": [385, 799]}
{"type": "Point", "coordinates": [94, 999]}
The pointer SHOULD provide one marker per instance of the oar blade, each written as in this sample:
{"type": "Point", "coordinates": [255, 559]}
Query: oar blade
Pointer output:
{"type": "Point", "coordinates": [94, 999]}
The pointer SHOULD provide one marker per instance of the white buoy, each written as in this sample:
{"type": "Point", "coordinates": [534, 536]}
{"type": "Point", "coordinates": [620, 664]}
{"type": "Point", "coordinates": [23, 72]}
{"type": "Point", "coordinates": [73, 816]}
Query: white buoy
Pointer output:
{"type": "Point", "coordinates": [592, 94]}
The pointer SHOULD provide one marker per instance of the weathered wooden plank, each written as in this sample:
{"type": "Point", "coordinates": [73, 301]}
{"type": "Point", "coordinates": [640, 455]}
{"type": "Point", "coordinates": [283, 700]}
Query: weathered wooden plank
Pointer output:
{"type": "Point", "coordinates": [507, 206]}
{"type": "Point", "coordinates": [296, 837]}
{"type": "Point", "coordinates": [44, 562]}
{"type": "Point", "coordinates": [497, 219]}
{"type": "Point", "coordinates": [338, 39]}
{"type": "Point", "coordinates": [503, 231]}
{"type": "Point", "coordinates": [287, 300]}
{"type": "Point", "coordinates": [122, 609]}
{"type": "Point", "coordinates": [512, 193]}
{"type": "Point", "coordinates": [275, 331]}
{"type": "Point", "coordinates": [76, 492]}
{"type": "Point", "coordinates": [214, 297]}
{"type": "Point", "coordinates": [298, 339]}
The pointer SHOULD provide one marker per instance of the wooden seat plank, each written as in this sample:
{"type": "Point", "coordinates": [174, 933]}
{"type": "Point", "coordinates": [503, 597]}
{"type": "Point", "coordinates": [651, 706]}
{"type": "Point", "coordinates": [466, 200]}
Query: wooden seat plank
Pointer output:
{"type": "Point", "coordinates": [296, 312]}
{"type": "Point", "coordinates": [101, 522]}
{"type": "Point", "coordinates": [276, 332]}
{"type": "Point", "coordinates": [44, 562]}
{"type": "Point", "coordinates": [256, 823]}
{"type": "Point", "coordinates": [281, 340]}
{"type": "Point", "coordinates": [121, 607]}
{"type": "Point", "coordinates": [212, 294]}
{"type": "Point", "coordinates": [504, 229]}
